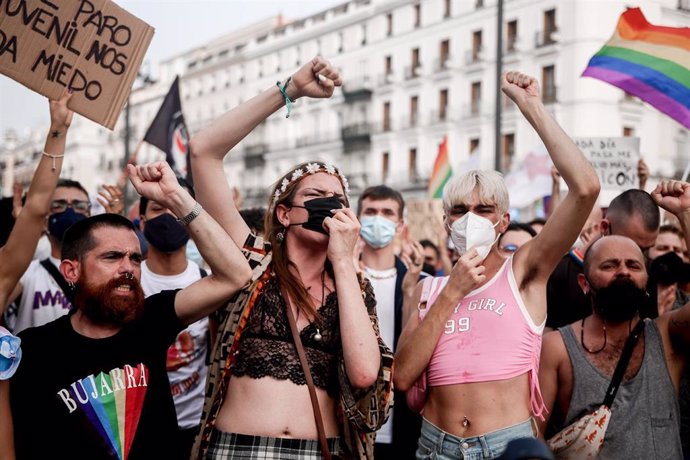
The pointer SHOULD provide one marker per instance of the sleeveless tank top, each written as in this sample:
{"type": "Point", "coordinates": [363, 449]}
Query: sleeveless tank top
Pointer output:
{"type": "Point", "coordinates": [489, 336]}
{"type": "Point", "coordinates": [645, 414]}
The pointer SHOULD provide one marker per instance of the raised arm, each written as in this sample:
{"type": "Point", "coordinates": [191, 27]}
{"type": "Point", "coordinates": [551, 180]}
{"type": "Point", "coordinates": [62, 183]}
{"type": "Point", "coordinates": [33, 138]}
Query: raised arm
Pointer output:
{"type": "Point", "coordinates": [229, 269]}
{"type": "Point", "coordinates": [316, 79]}
{"type": "Point", "coordinates": [539, 257]}
{"type": "Point", "coordinates": [21, 244]}
{"type": "Point", "coordinates": [674, 196]}
{"type": "Point", "coordinates": [418, 339]}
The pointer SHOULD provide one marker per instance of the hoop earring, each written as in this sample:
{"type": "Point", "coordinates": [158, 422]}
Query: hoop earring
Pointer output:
{"type": "Point", "coordinates": [280, 236]}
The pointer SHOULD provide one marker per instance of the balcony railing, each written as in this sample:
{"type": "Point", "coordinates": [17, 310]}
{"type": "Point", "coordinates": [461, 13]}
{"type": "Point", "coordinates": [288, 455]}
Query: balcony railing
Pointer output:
{"type": "Point", "coordinates": [545, 38]}
{"type": "Point", "coordinates": [387, 78]}
{"type": "Point", "coordinates": [412, 72]}
{"type": "Point", "coordinates": [359, 131]}
{"type": "Point", "coordinates": [474, 56]}
{"type": "Point", "coordinates": [357, 89]}
{"type": "Point", "coordinates": [442, 64]}
{"type": "Point", "coordinates": [256, 149]}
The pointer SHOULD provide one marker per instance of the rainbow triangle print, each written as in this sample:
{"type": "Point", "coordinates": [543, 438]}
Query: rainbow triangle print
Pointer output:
{"type": "Point", "coordinates": [442, 171]}
{"type": "Point", "coordinates": [112, 404]}
{"type": "Point", "coordinates": [647, 61]}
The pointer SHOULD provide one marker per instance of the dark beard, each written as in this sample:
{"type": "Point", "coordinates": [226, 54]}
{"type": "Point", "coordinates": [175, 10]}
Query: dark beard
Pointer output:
{"type": "Point", "coordinates": [102, 306]}
{"type": "Point", "coordinates": [620, 301]}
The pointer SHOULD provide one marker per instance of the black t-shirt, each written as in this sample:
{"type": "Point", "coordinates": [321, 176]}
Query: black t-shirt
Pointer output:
{"type": "Point", "coordinates": [565, 300]}
{"type": "Point", "coordinates": [76, 397]}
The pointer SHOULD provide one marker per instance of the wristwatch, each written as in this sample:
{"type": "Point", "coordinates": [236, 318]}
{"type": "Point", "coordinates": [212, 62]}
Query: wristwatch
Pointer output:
{"type": "Point", "coordinates": [193, 214]}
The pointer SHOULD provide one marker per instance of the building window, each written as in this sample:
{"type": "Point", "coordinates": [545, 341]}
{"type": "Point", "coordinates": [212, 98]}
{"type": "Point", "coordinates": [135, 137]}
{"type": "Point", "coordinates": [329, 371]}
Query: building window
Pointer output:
{"type": "Point", "coordinates": [389, 65]}
{"type": "Point", "coordinates": [414, 110]}
{"type": "Point", "coordinates": [475, 97]}
{"type": "Point", "coordinates": [389, 24]}
{"type": "Point", "coordinates": [476, 44]}
{"type": "Point", "coordinates": [415, 65]}
{"type": "Point", "coordinates": [628, 131]}
{"type": "Point", "coordinates": [386, 116]}
{"type": "Point", "coordinates": [549, 26]}
{"type": "Point", "coordinates": [341, 45]}
{"type": "Point", "coordinates": [384, 166]}
{"type": "Point", "coordinates": [364, 34]}
{"type": "Point", "coordinates": [507, 151]}
{"type": "Point", "coordinates": [548, 79]}
{"type": "Point", "coordinates": [511, 36]}
{"type": "Point", "coordinates": [417, 15]}
{"type": "Point", "coordinates": [444, 53]}
{"type": "Point", "coordinates": [443, 104]}
{"type": "Point", "coordinates": [447, 8]}
{"type": "Point", "coordinates": [412, 164]}
{"type": "Point", "coordinates": [298, 52]}
{"type": "Point", "coordinates": [415, 58]}
{"type": "Point", "coordinates": [474, 145]}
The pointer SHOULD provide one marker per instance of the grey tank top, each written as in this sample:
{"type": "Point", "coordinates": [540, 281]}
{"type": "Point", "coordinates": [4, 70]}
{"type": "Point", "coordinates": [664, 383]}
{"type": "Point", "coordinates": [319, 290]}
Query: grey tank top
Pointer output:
{"type": "Point", "coordinates": [645, 414]}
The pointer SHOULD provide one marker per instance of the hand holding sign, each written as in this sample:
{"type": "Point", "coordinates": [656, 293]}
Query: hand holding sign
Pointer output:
{"type": "Point", "coordinates": [673, 196]}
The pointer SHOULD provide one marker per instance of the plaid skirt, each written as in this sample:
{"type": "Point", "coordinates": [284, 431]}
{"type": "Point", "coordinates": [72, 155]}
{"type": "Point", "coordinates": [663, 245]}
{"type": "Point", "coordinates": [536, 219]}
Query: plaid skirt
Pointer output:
{"type": "Point", "coordinates": [241, 446]}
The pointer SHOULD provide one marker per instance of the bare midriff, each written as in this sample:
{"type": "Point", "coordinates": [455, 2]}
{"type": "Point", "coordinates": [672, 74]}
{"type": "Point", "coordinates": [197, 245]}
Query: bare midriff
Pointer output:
{"type": "Point", "coordinates": [275, 408]}
{"type": "Point", "coordinates": [488, 406]}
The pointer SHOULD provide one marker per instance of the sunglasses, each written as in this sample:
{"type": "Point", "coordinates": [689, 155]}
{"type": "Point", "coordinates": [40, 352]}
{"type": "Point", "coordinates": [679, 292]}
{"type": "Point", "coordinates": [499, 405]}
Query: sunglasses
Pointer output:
{"type": "Point", "coordinates": [78, 205]}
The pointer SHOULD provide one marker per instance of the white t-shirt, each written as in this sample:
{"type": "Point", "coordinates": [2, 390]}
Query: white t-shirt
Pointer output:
{"type": "Point", "coordinates": [42, 299]}
{"type": "Point", "coordinates": [186, 360]}
{"type": "Point", "coordinates": [383, 282]}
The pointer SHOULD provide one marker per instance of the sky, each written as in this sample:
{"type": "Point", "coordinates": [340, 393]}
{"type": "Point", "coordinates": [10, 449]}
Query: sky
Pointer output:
{"type": "Point", "coordinates": [180, 25]}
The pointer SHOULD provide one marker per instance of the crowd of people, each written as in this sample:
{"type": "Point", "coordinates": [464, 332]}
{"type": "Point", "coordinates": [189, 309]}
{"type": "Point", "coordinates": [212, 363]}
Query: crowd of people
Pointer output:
{"type": "Point", "coordinates": [495, 339]}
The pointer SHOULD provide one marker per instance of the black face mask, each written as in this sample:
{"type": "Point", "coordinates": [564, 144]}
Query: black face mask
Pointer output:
{"type": "Point", "coordinates": [58, 223]}
{"type": "Point", "coordinates": [165, 233]}
{"type": "Point", "coordinates": [620, 301]}
{"type": "Point", "coordinates": [318, 209]}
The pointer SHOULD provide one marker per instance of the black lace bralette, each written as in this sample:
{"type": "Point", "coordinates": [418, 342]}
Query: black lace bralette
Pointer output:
{"type": "Point", "coordinates": [267, 348]}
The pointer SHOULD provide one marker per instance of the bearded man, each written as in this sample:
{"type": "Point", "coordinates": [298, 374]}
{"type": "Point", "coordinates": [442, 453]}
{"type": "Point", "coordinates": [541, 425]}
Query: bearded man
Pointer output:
{"type": "Point", "coordinates": [578, 360]}
{"type": "Point", "coordinates": [93, 384]}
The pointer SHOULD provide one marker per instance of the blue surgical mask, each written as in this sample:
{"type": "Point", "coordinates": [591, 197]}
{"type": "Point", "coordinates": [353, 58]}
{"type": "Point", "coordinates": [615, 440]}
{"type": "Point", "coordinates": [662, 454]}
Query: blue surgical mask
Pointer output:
{"type": "Point", "coordinates": [59, 222]}
{"type": "Point", "coordinates": [10, 353]}
{"type": "Point", "coordinates": [377, 231]}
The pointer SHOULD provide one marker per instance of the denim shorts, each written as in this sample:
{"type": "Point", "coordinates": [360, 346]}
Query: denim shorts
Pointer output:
{"type": "Point", "coordinates": [434, 443]}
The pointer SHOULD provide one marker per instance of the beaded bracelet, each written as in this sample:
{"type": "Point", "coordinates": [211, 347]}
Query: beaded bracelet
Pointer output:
{"type": "Point", "coordinates": [54, 157]}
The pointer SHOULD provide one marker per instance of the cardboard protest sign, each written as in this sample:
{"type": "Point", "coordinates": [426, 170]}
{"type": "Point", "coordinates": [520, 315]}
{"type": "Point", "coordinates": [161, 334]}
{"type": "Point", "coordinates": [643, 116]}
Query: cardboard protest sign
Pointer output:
{"type": "Point", "coordinates": [614, 159]}
{"type": "Point", "coordinates": [423, 218]}
{"type": "Point", "coordinates": [93, 47]}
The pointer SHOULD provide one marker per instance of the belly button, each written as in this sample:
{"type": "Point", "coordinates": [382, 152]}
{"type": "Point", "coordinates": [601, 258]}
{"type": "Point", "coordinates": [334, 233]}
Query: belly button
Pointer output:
{"type": "Point", "coordinates": [286, 432]}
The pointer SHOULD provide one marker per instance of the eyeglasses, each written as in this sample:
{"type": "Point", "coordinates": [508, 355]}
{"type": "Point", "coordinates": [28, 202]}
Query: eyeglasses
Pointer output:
{"type": "Point", "coordinates": [509, 248]}
{"type": "Point", "coordinates": [79, 206]}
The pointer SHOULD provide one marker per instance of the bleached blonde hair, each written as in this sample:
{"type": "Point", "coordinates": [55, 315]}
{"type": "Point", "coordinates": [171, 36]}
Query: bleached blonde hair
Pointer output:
{"type": "Point", "coordinates": [490, 185]}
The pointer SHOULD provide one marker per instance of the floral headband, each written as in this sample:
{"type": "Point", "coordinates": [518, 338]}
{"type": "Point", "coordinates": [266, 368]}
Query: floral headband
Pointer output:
{"type": "Point", "coordinates": [310, 168]}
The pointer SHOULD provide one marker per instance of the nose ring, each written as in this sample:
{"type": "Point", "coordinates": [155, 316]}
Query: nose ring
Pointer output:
{"type": "Point", "coordinates": [129, 275]}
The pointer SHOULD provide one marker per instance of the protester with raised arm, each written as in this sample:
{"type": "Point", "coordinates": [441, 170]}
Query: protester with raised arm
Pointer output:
{"type": "Point", "coordinates": [16, 254]}
{"type": "Point", "coordinates": [107, 356]}
{"type": "Point", "coordinates": [257, 404]}
{"type": "Point", "coordinates": [479, 336]}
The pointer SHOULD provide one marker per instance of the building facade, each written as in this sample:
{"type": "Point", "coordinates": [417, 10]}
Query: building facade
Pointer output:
{"type": "Point", "coordinates": [414, 71]}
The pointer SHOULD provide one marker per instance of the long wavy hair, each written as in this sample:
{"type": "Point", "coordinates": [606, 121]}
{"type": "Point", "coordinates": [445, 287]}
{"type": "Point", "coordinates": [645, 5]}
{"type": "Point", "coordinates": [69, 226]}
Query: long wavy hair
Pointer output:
{"type": "Point", "coordinates": [281, 262]}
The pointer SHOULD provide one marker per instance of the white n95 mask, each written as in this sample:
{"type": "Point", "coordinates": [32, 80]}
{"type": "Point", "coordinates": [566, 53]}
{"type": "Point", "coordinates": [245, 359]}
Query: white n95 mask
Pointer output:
{"type": "Point", "coordinates": [473, 232]}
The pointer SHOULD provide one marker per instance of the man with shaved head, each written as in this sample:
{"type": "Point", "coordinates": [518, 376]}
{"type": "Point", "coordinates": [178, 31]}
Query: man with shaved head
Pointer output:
{"type": "Point", "coordinates": [633, 214]}
{"type": "Point", "coordinates": [578, 360]}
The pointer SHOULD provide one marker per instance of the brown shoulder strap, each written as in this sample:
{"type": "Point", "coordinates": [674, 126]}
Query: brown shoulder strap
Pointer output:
{"type": "Point", "coordinates": [307, 374]}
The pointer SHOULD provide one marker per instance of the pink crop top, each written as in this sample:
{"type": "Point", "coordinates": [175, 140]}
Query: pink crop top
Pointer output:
{"type": "Point", "coordinates": [489, 336]}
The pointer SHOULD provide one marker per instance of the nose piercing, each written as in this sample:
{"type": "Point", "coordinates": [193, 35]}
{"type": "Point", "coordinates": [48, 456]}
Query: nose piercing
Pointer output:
{"type": "Point", "coordinates": [129, 276]}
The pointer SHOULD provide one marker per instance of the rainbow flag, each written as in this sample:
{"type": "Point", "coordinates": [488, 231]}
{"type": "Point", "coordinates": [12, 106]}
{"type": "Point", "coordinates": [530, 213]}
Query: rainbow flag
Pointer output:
{"type": "Point", "coordinates": [648, 61]}
{"type": "Point", "coordinates": [441, 172]}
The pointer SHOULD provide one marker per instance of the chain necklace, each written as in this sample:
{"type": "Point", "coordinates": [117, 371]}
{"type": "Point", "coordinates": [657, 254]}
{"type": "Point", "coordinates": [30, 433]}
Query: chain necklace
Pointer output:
{"type": "Point", "coordinates": [582, 339]}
